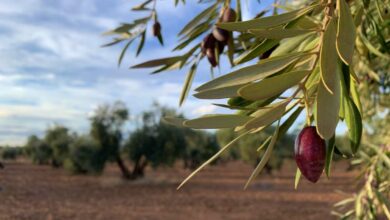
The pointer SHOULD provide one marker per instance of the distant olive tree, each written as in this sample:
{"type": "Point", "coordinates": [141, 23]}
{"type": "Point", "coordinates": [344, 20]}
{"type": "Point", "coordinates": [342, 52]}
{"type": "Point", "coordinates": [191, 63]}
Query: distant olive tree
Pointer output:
{"type": "Point", "coordinates": [84, 156]}
{"type": "Point", "coordinates": [58, 139]}
{"type": "Point", "coordinates": [106, 129]}
{"type": "Point", "coordinates": [38, 150]}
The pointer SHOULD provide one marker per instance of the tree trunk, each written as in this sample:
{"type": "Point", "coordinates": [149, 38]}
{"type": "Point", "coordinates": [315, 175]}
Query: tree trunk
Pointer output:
{"type": "Point", "coordinates": [139, 168]}
{"type": "Point", "coordinates": [125, 172]}
{"type": "Point", "coordinates": [1, 166]}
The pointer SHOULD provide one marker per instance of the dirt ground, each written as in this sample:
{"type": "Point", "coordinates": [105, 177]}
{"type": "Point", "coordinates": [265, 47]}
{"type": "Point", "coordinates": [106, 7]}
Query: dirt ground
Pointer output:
{"type": "Point", "coordinates": [41, 192]}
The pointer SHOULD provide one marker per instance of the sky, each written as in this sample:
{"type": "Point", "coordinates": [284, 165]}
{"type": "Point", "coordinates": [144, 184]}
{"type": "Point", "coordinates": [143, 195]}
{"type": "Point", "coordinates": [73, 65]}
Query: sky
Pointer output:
{"type": "Point", "coordinates": [53, 69]}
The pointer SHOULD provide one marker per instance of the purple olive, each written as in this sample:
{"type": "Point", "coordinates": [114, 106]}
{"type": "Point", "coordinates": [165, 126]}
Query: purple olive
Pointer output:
{"type": "Point", "coordinates": [310, 153]}
{"type": "Point", "coordinates": [220, 34]}
{"type": "Point", "coordinates": [208, 43]}
{"type": "Point", "coordinates": [210, 52]}
{"type": "Point", "coordinates": [229, 15]}
{"type": "Point", "coordinates": [156, 29]}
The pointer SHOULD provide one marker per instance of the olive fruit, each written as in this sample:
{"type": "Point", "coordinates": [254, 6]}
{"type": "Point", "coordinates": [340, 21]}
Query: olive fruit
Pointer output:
{"type": "Point", "coordinates": [221, 34]}
{"type": "Point", "coordinates": [229, 15]}
{"type": "Point", "coordinates": [310, 153]}
{"type": "Point", "coordinates": [208, 43]}
{"type": "Point", "coordinates": [210, 52]}
{"type": "Point", "coordinates": [156, 29]}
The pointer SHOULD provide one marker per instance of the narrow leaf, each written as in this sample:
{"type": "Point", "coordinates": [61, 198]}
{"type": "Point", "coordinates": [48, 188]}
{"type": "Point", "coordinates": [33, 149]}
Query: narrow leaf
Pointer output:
{"type": "Point", "coordinates": [158, 62]}
{"type": "Point", "coordinates": [212, 159]}
{"type": "Point", "coordinates": [266, 22]}
{"type": "Point", "coordinates": [271, 86]}
{"type": "Point", "coordinates": [141, 43]}
{"type": "Point", "coordinates": [278, 33]}
{"type": "Point", "coordinates": [265, 158]}
{"type": "Point", "coordinates": [197, 19]}
{"type": "Point", "coordinates": [217, 121]}
{"type": "Point", "coordinates": [346, 32]}
{"type": "Point", "coordinates": [327, 109]}
{"type": "Point", "coordinates": [124, 52]}
{"type": "Point", "coordinates": [329, 155]}
{"type": "Point", "coordinates": [298, 175]}
{"type": "Point", "coordinates": [248, 74]}
{"type": "Point", "coordinates": [266, 116]}
{"type": "Point", "coordinates": [329, 58]}
{"type": "Point", "coordinates": [187, 84]}
{"type": "Point", "coordinates": [219, 93]}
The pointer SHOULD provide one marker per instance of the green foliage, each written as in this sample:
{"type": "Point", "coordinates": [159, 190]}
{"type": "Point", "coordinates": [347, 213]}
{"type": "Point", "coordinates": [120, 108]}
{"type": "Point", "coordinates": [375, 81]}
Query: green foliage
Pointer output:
{"type": "Point", "coordinates": [162, 144]}
{"type": "Point", "coordinates": [38, 150]}
{"type": "Point", "coordinates": [315, 55]}
{"type": "Point", "coordinates": [58, 138]}
{"type": "Point", "coordinates": [106, 128]}
{"type": "Point", "coordinates": [84, 156]}
{"type": "Point", "coordinates": [10, 153]}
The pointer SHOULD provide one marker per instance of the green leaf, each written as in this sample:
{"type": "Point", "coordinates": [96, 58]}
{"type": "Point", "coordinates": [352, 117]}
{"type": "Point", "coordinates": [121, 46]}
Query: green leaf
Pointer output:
{"type": "Point", "coordinates": [197, 19]}
{"type": "Point", "coordinates": [327, 109]}
{"type": "Point", "coordinates": [124, 52]}
{"type": "Point", "coordinates": [255, 72]}
{"type": "Point", "coordinates": [179, 122]}
{"type": "Point", "coordinates": [353, 120]}
{"type": "Point", "coordinates": [256, 51]}
{"type": "Point", "coordinates": [352, 115]}
{"type": "Point", "coordinates": [264, 144]}
{"type": "Point", "coordinates": [158, 62]}
{"type": "Point", "coordinates": [289, 122]}
{"type": "Point", "coordinates": [141, 43]}
{"type": "Point", "coordinates": [278, 33]}
{"type": "Point", "coordinates": [329, 155]}
{"type": "Point", "coordinates": [346, 32]}
{"type": "Point", "coordinates": [219, 93]}
{"type": "Point", "coordinates": [266, 116]}
{"type": "Point", "coordinates": [217, 121]}
{"type": "Point", "coordinates": [266, 22]}
{"type": "Point", "coordinates": [265, 158]}
{"type": "Point", "coordinates": [212, 158]}
{"type": "Point", "coordinates": [329, 58]}
{"type": "Point", "coordinates": [298, 175]}
{"type": "Point", "coordinates": [290, 44]}
{"type": "Point", "coordinates": [187, 84]}
{"type": "Point", "coordinates": [271, 86]}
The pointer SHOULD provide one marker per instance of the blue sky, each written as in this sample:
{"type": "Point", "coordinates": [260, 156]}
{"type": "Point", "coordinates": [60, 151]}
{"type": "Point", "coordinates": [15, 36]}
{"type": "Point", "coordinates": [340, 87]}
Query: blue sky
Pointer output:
{"type": "Point", "coordinates": [53, 69]}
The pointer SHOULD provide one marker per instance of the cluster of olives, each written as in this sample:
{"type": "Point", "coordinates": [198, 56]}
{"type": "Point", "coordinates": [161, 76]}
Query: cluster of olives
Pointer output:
{"type": "Point", "coordinates": [218, 39]}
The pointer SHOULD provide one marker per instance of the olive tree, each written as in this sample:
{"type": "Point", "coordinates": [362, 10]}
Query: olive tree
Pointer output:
{"type": "Point", "coordinates": [313, 57]}
{"type": "Point", "coordinates": [106, 129]}
{"type": "Point", "coordinates": [58, 139]}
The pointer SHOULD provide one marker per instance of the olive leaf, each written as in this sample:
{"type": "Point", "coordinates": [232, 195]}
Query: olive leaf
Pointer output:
{"type": "Point", "coordinates": [279, 33]}
{"type": "Point", "coordinates": [298, 175]}
{"type": "Point", "coordinates": [346, 33]}
{"type": "Point", "coordinates": [258, 71]}
{"type": "Point", "coordinates": [197, 19]}
{"type": "Point", "coordinates": [265, 157]}
{"type": "Point", "coordinates": [256, 51]}
{"type": "Point", "coordinates": [266, 116]}
{"type": "Point", "coordinates": [158, 62]}
{"type": "Point", "coordinates": [329, 154]}
{"type": "Point", "coordinates": [231, 143]}
{"type": "Point", "coordinates": [217, 121]}
{"type": "Point", "coordinates": [266, 22]}
{"type": "Point", "coordinates": [187, 84]}
{"type": "Point", "coordinates": [271, 86]}
{"type": "Point", "coordinates": [327, 109]}
{"type": "Point", "coordinates": [329, 58]}
{"type": "Point", "coordinates": [178, 122]}
{"type": "Point", "coordinates": [219, 93]}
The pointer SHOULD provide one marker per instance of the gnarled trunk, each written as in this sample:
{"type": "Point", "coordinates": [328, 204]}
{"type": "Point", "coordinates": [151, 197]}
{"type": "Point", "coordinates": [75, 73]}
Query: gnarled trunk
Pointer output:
{"type": "Point", "coordinates": [139, 168]}
{"type": "Point", "coordinates": [125, 172]}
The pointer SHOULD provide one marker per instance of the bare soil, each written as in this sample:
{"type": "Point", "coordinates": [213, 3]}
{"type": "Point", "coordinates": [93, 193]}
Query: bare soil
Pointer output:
{"type": "Point", "coordinates": [41, 192]}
